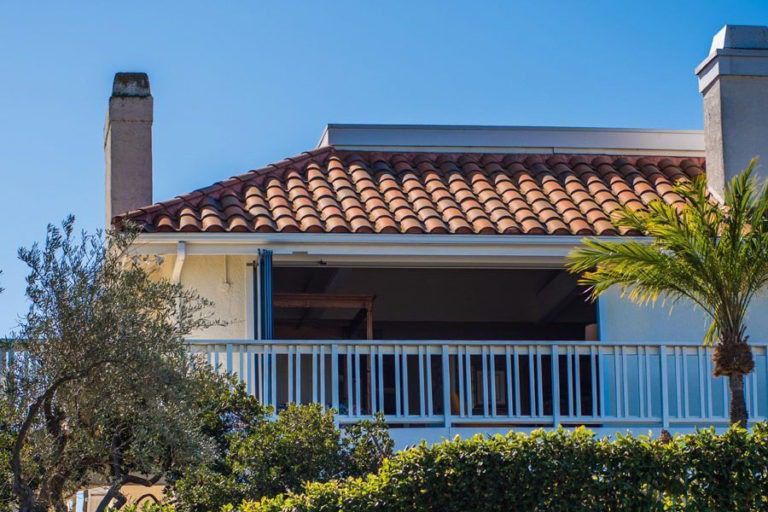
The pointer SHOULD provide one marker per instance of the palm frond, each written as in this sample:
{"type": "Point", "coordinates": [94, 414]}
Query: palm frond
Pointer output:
{"type": "Point", "coordinates": [714, 255]}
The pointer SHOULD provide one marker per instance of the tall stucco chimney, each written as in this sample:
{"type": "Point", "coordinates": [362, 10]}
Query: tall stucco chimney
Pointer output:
{"type": "Point", "coordinates": [734, 82]}
{"type": "Point", "coordinates": [128, 145]}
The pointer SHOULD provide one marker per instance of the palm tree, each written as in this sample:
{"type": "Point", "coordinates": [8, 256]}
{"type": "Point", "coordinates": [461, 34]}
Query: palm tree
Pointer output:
{"type": "Point", "coordinates": [712, 254]}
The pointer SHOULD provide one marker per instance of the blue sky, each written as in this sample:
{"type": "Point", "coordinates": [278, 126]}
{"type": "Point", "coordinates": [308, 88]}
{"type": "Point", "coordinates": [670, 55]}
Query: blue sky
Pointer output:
{"type": "Point", "coordinates": [241, 84]}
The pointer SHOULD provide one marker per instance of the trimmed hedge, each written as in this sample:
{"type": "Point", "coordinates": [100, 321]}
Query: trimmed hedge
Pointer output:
{"type": "Point", "coordinates": [555, 471]}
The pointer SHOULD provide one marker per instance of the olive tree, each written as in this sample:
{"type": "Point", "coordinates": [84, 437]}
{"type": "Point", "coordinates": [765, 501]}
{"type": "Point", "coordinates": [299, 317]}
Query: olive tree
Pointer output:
{"type": "Point", "coordinates": [101, 390]}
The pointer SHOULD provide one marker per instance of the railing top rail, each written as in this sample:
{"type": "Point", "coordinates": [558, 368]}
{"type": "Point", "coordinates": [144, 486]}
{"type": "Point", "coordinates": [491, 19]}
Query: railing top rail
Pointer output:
{"type": "Point", "coordinates": [456, 342]}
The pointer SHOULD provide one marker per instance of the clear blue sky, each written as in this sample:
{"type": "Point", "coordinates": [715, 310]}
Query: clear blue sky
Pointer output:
{"type": "Point", "coordinates": [241, 84]}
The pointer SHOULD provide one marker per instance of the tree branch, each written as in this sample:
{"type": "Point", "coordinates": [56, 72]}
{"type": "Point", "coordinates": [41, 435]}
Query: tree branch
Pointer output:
{"type": "Point", "coordinates": [19, 486]}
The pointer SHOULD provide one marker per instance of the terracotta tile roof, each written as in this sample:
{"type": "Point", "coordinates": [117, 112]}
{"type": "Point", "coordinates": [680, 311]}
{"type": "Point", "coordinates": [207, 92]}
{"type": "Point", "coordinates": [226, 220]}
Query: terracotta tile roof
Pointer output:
{"type": "Point", "coordinates": [334, 191]}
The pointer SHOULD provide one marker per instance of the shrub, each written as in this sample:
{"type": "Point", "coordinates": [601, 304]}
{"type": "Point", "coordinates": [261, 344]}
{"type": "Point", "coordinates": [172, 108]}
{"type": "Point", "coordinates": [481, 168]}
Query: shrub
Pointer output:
{"type": "Point", "coordinates": [554, 471]}
{"type": "Point", "coordinates": [259, 457]}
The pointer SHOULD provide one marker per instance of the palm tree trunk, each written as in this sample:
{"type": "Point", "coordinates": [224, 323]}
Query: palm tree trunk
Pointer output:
{"type": "Point", "coordinates": [738, 404]}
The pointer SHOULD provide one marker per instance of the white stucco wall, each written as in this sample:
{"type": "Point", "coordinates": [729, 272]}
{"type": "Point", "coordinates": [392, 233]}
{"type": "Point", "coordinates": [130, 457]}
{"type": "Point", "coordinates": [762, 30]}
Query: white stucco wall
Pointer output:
{"type": "Point", "coordinates": [221, 279]}
{"type": "Point", "coordinates": [621, 320]}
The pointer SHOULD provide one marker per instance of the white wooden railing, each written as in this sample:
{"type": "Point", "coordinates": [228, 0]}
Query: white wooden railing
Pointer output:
{"type": "Point", "coordinates": [500, 383]}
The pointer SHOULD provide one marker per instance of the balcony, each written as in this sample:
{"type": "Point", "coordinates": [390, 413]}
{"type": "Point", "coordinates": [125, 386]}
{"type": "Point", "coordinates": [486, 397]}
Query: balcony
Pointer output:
{"type": "Point", "coordinates": [433, 389]}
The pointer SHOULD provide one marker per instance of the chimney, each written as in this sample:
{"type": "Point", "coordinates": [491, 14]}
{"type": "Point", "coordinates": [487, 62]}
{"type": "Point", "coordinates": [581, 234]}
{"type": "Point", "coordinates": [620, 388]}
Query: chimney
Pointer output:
{"type": "Point", "coordinates": [734, 82]}
{"type": "Point", "coordinates": [128, 145]}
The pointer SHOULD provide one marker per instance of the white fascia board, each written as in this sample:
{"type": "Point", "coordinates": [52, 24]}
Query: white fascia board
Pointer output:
{"type": "Point", "coordinates": [514, 139]}
{"type": "Point", "coordinates": [535, 251]}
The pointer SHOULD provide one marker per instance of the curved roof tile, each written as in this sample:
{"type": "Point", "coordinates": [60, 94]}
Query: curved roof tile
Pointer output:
{"type": "Point", "coordinates": [330, 190]}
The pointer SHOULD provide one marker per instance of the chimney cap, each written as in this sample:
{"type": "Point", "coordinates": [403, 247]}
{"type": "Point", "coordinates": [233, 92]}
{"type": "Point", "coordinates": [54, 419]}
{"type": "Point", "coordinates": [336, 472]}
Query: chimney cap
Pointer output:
{"type": "Point", "coordinates": [131, 84]}
{"type": "Point", "coordinates": [740, 37]}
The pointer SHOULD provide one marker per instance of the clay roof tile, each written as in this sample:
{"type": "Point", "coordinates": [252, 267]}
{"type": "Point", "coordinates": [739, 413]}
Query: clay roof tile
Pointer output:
{"type": "Point", "coordinates": [376, 192]}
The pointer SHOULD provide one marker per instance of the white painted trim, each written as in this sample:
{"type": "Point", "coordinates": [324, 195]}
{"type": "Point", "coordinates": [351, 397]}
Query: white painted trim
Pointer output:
{"type": "Point", "coordinates": [513, 139]}
{"type": "Point", "coordinates": [250, 328]}
{"type": "Point", "coordinates": [533, 251]}
{"type": "Point", "coordinates": [178, 265]}
{"type": "Point", "coordinates": [734, 63]}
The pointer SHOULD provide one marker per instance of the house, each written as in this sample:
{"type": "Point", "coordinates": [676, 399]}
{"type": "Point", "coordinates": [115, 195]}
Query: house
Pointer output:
{"type": "Point", "coordinates": [418, 271]}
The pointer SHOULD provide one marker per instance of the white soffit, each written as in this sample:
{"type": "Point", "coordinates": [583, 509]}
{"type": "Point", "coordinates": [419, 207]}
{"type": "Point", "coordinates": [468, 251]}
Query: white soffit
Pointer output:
{"type": "Point", "coordinates": [513, 139]}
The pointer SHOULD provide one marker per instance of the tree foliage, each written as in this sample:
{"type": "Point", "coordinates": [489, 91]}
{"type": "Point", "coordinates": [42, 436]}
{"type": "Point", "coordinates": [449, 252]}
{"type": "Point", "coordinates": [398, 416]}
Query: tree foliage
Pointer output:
{"type": "Point", "coordinates": [101, 390]}
{"type": "Point", "coordinates": [714, 255]}
{"type": "Point", "coordinates": [263, 456]}
{"type": "Point", "coordinates": [7, 497]}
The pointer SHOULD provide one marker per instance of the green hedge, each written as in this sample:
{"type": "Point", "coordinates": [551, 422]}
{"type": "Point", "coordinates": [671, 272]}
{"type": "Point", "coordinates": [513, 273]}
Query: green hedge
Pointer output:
{"type": "Point", "coordinates": [555, 471]}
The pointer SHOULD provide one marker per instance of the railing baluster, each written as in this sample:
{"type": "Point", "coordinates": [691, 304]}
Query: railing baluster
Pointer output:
{"type": "Point", "coordinates": [508, 375]}
{"type": "Point", "coordinates": [468, 368]}
{"type": "Point", "coordinates": [446, 387]}
{"type": "Point", "coordinates": [617, 376]}
{"type": "Point", "coordinates": [398, 384]}
{"type": "Point", "coordinates": [570, 398]}
{"type": "Point", "coordinates": [577, 365]}
{"type": "Point", "coordinates": [531, 380]}
{"type": "Point", "coordinates": [664, 386]}
{"type": "Point", "coordinates": [708, 371]}
{"type": "Point", "coordinates": [321, 356]}
{"type": "Point", "coordinates": [492, 372]}
{"type": "Point", "coordinates": [753, 379]}
{"type": "Point", "coordinates": [358, 384]}
{"type": "Point", "coordinates": [460, 373]}
{"type": "Point", "coordinates": [264, 359]}
{"type": "Point", "coordinates": [518, 381]}
{"type": "Point", "coordinates": [381, 378]}
{"type": "Point", "coordinates": [372, 393]}
{"type": "Point", "coordinates": [702, 364]}
{"type": "Point", "coordinates": [273, 376]}
{"type": "Point", "coordinates": [350, 391]}
{"type": "Point", "coordinates": [726, 397]}
{"type": "Point", "coordinates": [241, 362]}
{"type": "Point", "coordinates": [430, 405]}
{"type": "Point", "coordinates": [555, 386]}
{"type": "Point", "coordinates": [625, 382]}
{"type": "Point", "coordinates": [484, 374]}
{"type": "Point", "coordinates": [406, 393]}
{"type": "Point", "coordinates": [540, 382]}
{"type": "Point", "coordinates": [289, 356]}
{"type": "Point", "coordinates": [648, 393]}
{"type": "Point", "coordinates": [420, 356]}
{"type": "Point", "coordinates": [680, 406]}
{"type": "Point", "coordinates": [314, 375]}
{"type": "Point", "coordinates": [594, 381]}
{"type": "Point", "coordinates": [747, 395]}
{"type": "Point", "coordinates": [686, 395]}
{"type": "Point", "coordinates": [250, 382]}
{"type": "Point", "coordinates": [335, 378]}
{"type": "Point", "coordinates": [640, 361]}
{"type": "Point", "coordinates": [297, 390]}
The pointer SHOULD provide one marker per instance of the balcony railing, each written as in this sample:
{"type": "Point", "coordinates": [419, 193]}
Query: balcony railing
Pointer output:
{"type": "Point", "coordinates": [493, 383]}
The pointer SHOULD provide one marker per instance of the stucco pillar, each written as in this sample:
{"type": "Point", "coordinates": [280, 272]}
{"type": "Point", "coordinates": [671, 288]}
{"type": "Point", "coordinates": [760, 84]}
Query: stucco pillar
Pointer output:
{"type": "Point", "coordinates": [733, 80]}
{"type": "Point", "coordinates": [128, 145]}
